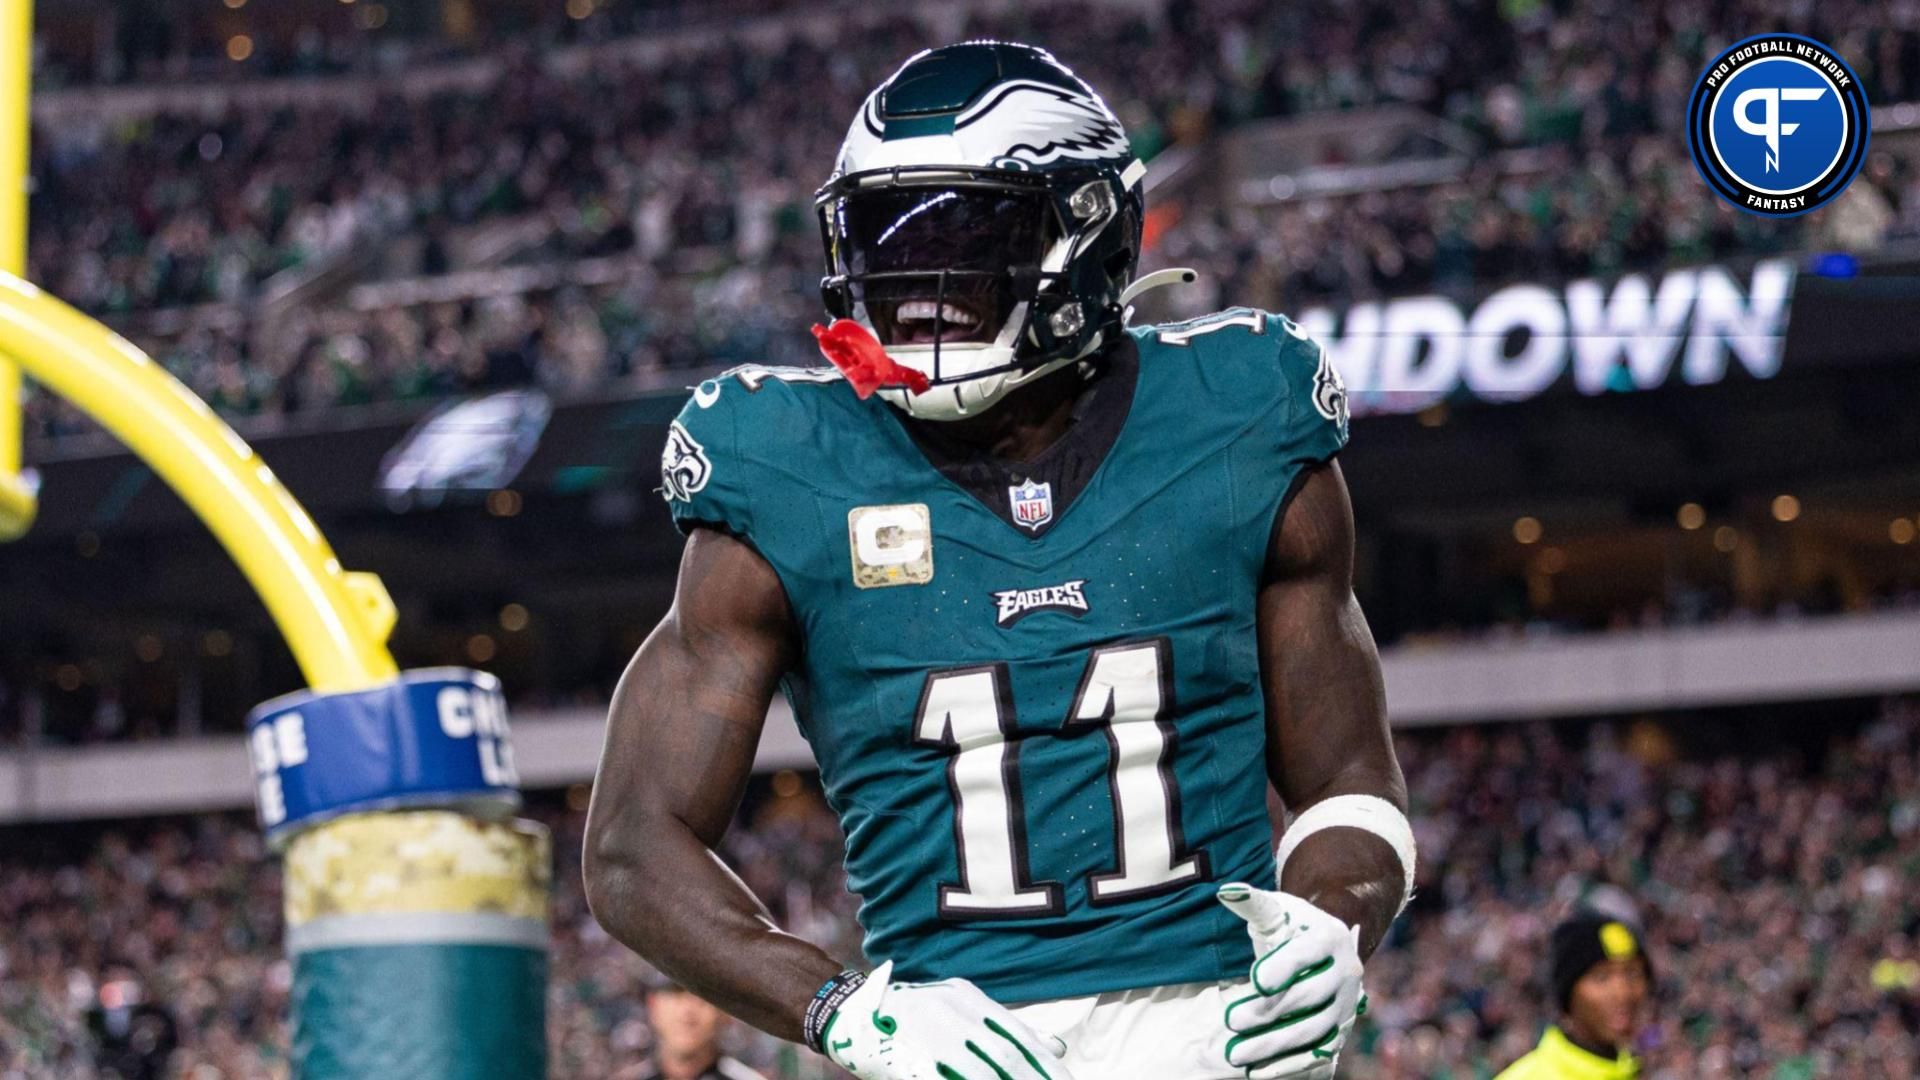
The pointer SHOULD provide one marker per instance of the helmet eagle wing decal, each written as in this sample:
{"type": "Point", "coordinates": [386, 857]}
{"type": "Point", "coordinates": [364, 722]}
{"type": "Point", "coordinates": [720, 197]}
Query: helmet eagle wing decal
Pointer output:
{"type": "Point", "coordinates": [1034, 123]}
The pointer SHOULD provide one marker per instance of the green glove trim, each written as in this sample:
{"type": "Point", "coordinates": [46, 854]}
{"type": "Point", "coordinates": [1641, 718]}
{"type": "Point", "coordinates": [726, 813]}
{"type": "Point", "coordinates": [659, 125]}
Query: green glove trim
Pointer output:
{"type": "Point", "coordinates": [991, 1064]}
{"type": "Point", "coordinates": [1304, 973]}
{"type": "Point", "coordinates": [1018, 1045]}
{"type": "Point", "coordinates": [1318, 1050]}
{"type": "Point", "coordinates": [1286, 1020]}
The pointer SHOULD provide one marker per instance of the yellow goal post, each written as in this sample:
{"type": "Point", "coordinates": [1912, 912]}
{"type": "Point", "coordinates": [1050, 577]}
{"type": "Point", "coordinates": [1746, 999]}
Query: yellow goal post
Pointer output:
{"type": "Point", "coordinates": [443, 979]}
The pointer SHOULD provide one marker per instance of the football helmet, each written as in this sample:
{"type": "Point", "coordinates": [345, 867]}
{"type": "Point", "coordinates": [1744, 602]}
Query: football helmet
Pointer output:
{"type": "Point", "coordinates": [983, 221]}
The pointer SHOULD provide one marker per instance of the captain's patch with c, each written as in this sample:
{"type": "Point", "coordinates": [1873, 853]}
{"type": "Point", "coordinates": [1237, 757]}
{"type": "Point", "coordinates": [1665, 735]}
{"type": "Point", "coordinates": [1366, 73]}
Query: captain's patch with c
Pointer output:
{"type": "Point", "coordinates": [891, 545]}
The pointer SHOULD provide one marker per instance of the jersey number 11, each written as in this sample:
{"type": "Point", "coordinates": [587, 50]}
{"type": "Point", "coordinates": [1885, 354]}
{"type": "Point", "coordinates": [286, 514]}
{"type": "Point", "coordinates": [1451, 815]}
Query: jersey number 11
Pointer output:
{"type": "Point", "coordinates": [1128, 689]}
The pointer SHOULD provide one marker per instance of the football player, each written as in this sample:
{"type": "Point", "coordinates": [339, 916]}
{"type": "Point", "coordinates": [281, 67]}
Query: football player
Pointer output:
{"type": "Point", "coordinates": [1053, 599]}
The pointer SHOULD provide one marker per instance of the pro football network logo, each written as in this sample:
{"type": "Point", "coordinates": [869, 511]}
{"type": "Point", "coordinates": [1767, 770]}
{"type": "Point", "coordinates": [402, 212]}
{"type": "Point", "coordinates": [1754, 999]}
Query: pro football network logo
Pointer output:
{"type": "Point", "coordinates": [1012, 605]}
{"type": "Point", "coordinates": [1778, 125]}
{"type": "Point", "coordinates": [1032, 504]}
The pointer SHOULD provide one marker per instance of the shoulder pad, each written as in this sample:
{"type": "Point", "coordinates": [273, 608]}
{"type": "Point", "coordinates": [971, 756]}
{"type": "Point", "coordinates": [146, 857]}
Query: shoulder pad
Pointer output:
{"type": "Point", "coordinates": [1265, 361]}
{"type": "Point", "coordinates": [706, 465]}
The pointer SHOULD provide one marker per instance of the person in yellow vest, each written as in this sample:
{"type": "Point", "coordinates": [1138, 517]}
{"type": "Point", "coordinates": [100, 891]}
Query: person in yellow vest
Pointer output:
{"type": "Point", "coordinates": [1602, 982]}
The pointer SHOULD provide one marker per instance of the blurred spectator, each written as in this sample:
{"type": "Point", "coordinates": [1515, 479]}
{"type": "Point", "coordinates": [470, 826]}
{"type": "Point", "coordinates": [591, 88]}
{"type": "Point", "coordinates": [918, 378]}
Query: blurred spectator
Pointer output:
{"type": "Point", "coordinates": [133, 1038]}
{"type": "Point", "coordinates": [1601, 978]}
{"type": "Point", "coordinates": [686, 1040]}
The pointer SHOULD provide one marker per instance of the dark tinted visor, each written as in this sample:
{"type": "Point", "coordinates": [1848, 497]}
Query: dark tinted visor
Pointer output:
{"type": "Point", "coordinates": [891, 230]}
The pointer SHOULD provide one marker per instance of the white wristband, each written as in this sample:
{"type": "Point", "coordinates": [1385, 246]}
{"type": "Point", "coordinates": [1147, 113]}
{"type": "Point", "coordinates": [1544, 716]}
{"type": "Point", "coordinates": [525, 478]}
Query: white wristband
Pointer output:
{"type": "Point", "coordinates": [1368, 812]}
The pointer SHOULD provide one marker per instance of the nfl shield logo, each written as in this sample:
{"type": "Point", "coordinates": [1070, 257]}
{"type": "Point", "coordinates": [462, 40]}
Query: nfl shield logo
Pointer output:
{"type": "Point", "coordinates": [1032, 504]}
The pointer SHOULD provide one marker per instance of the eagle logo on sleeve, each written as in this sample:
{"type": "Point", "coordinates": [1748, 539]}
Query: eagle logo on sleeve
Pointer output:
{"type": "Point", "coordinates": [1329, 392]}
{"type": "Point", "coordinates": [684, 468]}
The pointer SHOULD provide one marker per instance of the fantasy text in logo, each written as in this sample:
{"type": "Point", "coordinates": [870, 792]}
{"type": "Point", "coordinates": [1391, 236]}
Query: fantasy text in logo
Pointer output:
{"type": "Point", "coordinates": [1778, 125]}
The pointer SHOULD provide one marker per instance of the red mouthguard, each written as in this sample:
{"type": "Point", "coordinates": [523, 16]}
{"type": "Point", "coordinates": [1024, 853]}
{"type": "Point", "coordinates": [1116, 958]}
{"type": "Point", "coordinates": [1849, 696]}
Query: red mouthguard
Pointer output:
{"type": "Point", "coordinates": [850, 347]}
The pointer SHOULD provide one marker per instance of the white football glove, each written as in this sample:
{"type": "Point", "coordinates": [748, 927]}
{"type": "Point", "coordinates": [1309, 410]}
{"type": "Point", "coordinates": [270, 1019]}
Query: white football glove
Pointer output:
{"type": "Point", "coordinates": [947, 1030]}
{"type": "Point", "coordinates": [1306, 983]}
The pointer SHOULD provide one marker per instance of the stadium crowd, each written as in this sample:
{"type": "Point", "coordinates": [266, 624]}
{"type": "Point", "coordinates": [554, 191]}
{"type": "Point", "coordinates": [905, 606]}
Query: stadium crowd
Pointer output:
{"type": "Point", "coordinates": [1776, 878]}
{"type": "Point", "coordinates": [696, 169]}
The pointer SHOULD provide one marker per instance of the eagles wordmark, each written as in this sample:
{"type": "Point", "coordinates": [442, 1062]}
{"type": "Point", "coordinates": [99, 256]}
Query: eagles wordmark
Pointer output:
{"type": "Point", "coordinates": [1012, 605]}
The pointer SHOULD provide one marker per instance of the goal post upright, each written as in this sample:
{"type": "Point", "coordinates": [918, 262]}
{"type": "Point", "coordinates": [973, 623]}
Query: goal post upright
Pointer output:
{"type": "Point", "coordinates": [416, 905]}
{"type": "Point", "coordinates": [17, 501]}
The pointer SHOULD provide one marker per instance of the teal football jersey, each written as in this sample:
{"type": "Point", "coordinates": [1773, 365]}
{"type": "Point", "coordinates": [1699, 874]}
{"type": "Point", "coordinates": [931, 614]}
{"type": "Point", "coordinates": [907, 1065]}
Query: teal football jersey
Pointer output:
{"type": "Point", "coordinates": [1040, 722]}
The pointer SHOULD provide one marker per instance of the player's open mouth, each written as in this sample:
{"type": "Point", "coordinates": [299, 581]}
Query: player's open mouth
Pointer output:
{"type": "Point", "coordinates": [919, 322]}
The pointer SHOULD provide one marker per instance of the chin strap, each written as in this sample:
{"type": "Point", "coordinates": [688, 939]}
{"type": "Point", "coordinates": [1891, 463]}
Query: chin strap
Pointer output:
{"type": "Point", "coordinates": [1173, 275]}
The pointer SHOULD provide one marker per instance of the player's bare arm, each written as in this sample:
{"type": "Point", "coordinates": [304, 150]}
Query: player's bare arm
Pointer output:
{"type": "Point", "coordinates": [1327, 732]}
{"type": "Point", "coordinates": [681, 735]}
{"type": "Point", "coordinates": [1346, 860]}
